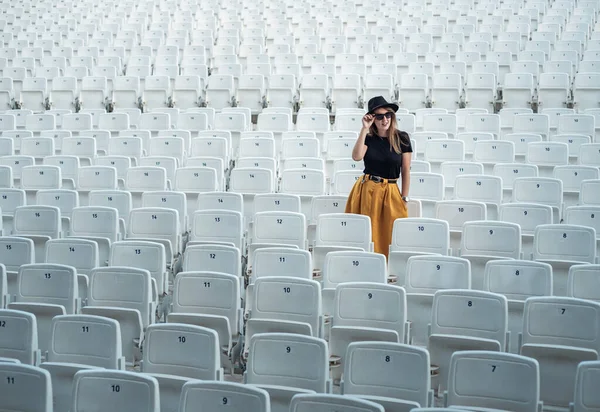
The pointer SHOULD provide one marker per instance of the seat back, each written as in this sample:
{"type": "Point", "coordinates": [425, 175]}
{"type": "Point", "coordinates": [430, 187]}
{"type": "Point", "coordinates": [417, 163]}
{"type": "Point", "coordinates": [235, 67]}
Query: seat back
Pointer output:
{"type": "Point", "coordinates": [286, 228]}
{"type": "Point", "coordinates": [565, 242]}
{"type": "Point", "coordinates": [373, 305]}
{"type": "Point", "coordinates": [353, 266]}
{"type": "Point", "coordinates": [552, 320]}
{"type": "Point", "coordinates": [491, 238]}
{"type": "Point", "coordinates": [389, 370]}
{"type": "Point", "coordinates": [95, 221]}
{"type": "Point", "coordinates": [428, 274]}
{"type": "Point", "coordinates": [212, 258]}
{"type": "Point", "coordinates": [217, 225]}
{"type": "Point", "coordinates": [82, 254]}
{"type": "Point", "coordinates": [142, 255]}
{"type": "Point", "coordinates": [25, 380]}
{"type": "Point", "coordinates": [582, 279]}
{"type": "Point", "coordinates": [219, 395]}
{"type": "Point", "coordinates": [281, 261]}
{"type": "Point", "coordinates": [518, 279]}
{"type": "Point", "coordinates": [290, 360]}
{"type": "Point", "coordinates": [342, 229]}
{"type": "Point", "coordinates": [209, 293]}
{"type": "Point", "coordinates": [21, 340]}
{"type": "Point", "coordinates": [117, 390]}
{"type": "Point", "coordinates": [586, 399]}
{"type": "Point", "coordinates": [171, 349]}
{"type": "Point", "coordinates": [87, 340]}
{"type": "Point", "coordinates": [470, 313]}
{"type": "Point", "coordinates": [420, 235]}
{"type": "Point", "coordinates": [48, 284]}
{"type": "Point", "coordinates": [122, 287]}
{"type": "Point", "coordinates": [37, 221]}
{"type": "Point", "coordinates": [474, 378]}
{"type": "Point", "coordinates": [288, 299]}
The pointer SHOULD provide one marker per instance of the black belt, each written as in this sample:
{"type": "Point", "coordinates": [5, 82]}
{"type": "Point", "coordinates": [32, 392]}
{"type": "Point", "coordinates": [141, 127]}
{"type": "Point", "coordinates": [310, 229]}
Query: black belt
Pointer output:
{"type": "Point", "coordinates": [381, 179]}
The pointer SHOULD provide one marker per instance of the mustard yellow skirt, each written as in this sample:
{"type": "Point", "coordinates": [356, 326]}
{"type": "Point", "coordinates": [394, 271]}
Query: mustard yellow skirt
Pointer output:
{"type": "Point", "coordinates": [383, 203]}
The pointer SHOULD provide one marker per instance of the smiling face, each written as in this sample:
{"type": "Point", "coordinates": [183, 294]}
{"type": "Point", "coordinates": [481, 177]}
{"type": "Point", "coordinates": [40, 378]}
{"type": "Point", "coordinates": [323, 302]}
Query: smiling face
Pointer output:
{"type": "Point", "coordinates": [383, 120]}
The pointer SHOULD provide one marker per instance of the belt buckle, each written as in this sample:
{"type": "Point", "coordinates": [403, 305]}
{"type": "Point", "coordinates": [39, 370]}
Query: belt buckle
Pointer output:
{"type": "Point", "coordinates": [377, 179]}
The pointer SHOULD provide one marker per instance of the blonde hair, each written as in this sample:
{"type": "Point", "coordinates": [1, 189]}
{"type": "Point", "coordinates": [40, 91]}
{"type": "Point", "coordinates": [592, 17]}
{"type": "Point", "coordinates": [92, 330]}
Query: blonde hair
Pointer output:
{"type": "Point", "coordinates": [397, 138]}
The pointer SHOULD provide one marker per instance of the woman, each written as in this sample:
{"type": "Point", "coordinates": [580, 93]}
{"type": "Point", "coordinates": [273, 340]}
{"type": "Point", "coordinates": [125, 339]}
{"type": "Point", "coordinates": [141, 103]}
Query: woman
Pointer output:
{"type": "Point", "coordinates": [386, 152]}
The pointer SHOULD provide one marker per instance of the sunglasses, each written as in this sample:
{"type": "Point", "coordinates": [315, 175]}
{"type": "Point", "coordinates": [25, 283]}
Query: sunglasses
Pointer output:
{"type": "Point", "coordinates": [387, 115]}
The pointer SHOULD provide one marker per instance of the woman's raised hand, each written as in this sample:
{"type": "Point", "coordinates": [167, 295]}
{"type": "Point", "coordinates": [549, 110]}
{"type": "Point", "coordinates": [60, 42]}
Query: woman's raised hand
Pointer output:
{"type": "Point", "coordinates": [367, 120]}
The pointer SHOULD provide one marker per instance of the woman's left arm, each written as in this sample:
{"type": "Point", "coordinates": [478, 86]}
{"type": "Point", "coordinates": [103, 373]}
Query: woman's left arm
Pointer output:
{"type": "Point", "coordinates": [405, 173]}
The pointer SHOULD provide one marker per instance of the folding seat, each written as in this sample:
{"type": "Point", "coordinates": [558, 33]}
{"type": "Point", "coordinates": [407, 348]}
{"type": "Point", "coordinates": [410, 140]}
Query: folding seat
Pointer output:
{"type": "Point", "coordinates": [479, 322]}
{"type": "Point", "coordinates": [16, 164]}
{"type": "Point", "coordinates": [124, 389]}
{"type": "Point", "coordinates": [456, 213]}
{"type": "Point", "coordinates": [218, 309]}
{"type": "Point", "coordinates": [288, 381]}
{"type": "Point", "coordinates": [590, 154]}
{"type": "Point", "coordinates": [584, 216]}
{"type": "Point", "coordinates": [547, 155]}
{"type": "Point", "coordinates": [288, 314]}
{"type": "Point", "coordinates": [83, 147]}
{"type": "Point", "coordinates": [18, 76]}
{"type": "Point", "coordinates": [97, 223]}
{"type": "Point", "coordinates": [588, 194]}
{"type": "Point", "coordinates": [490, 153]}
{"type": "Point", "coordinates": [572, 176]}
{"type": "Point", "coordinates": [212, 257]}
{"type": "Point", "coordinates": [483, 391]}
{"type": "Point", "coordinates": [306, 402]}
{"type": "Point", "coordinates": [21, 344]}
{"type": "Point", "coordinates": [559, 349]}
{"type": "Point", "coordinates": [282, 90]}
{"type": "Point", "coordinates": [38, 223]}
{"type": "Point", "coordinates": [167, 365]}
{"type": "Point", "coordinates": [446, 91]}
{"type": "Point", "coordinates": [314, 91]}
{"type": "Point", "coordinates": [95, 178]}
{"type": "Point", "coordinates": [553, 90]}
{"type": "Point", "coordinates": [37, 123]}
{"type": "Point", "coordinates": [451, 170]}
{"type": "Point", "coordinates": [145, 178]}
{"type": "Point", "coordinates": [80, 342]}
{"type": "Point", "coordinates": [439, 151]}
{"type": "Point", "coordinates": [7, 91]}
{"type": "Point", "coordinates": [220, 91]}
{"type": "Point", "coordinates": [160, 225]}
{"type": "Point", "coordinates": [489, 240]}
{"type": "Point", "coordinates": [217, 395]}
{"type": "Point", "coordinates": [562, 247]}
{"type": "Point", "coordinates": [423, 279]}
{"type": "Point", "coordinates": [413, 91]}
{"type": "Point", "coordinates": [471, 138]}
{"type": "Point", "coordinates": [24, 380]}
{"type": "Point", "coordinates": [224, 225]}
{"type": "Point", "coordinates": [402, 393]}
{"type": "Point", "coordinates": [532, 123]}
{"type": "Point", "coordinates": [586, 377]}
{"type": "Point", "coordinates": [518, 90]}
{"type": "Point", "coordinates": [428, 188]}
{"type": "Point", "coordinates": [37, 147]}
{"type": "Point", "coordinates": [349, 326]}
{"type": "Point", "coordinates": [577, 124]}
{"type": "Point", "coordinates": [581, 280]}
{"type": "Point", "coordinates": [94, 92]}
{"type": "Point", "coordinates": [585, 88]}
{"type": "Point", "coordinates": [57, 296]}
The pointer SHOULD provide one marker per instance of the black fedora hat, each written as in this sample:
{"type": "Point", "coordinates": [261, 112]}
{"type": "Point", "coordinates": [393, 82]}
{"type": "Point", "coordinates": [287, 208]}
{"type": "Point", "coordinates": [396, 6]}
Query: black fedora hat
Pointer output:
{"type": "Point", "coordinates": [378, 102]}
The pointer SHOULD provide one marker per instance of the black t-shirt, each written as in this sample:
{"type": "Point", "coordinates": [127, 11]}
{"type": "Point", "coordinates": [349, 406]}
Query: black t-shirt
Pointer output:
{"type": "Point", "coordinates": [380, 160]}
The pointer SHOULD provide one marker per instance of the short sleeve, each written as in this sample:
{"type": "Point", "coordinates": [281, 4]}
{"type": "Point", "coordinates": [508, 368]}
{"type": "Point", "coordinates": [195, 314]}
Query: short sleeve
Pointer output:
{"type": "Point", "coordinates": [368, 140]}
{"type": "Point", "coordinates": [405, 144]}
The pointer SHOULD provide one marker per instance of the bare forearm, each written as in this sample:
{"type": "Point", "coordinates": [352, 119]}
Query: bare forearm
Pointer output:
{"type": "Point", "coordinates": [405, 180]}
{"type": "Point", "coordinates": [359, 150]}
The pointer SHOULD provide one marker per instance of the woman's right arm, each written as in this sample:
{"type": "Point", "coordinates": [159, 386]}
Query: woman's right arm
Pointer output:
{"type": "Point", "coordinates": [360, 148]}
